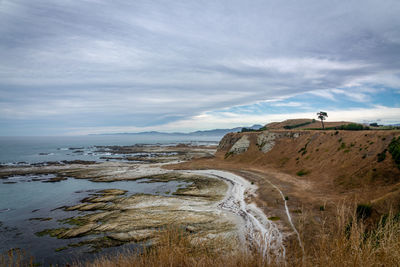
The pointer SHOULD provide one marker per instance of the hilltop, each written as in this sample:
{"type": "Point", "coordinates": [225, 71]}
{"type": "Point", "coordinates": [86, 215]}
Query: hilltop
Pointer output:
{"type": "Point", "coordinates": [302, 124]}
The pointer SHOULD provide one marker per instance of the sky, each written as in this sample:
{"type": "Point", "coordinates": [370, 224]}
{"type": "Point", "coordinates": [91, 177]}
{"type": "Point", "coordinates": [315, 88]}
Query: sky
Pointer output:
{"type": "Point", "coordinates": [73, 67]}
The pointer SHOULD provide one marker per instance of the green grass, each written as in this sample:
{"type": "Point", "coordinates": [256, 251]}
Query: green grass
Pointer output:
{"type": "Point", "coordinates": [274, 218]}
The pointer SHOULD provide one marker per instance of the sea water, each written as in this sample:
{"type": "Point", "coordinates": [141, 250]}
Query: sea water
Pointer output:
{"type": "Point", "coordinates": [26, 149]}
{"type": "Point", "coordinates": [25, 197]}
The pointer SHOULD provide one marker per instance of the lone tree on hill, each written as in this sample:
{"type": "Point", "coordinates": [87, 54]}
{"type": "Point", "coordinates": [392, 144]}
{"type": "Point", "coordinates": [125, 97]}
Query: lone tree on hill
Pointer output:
{"type": "Point", "coordinates": [322, 116]}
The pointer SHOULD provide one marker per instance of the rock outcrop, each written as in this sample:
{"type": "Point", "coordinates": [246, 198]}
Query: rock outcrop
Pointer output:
{"type": "Point", "coordinates": [228, 141]}
{"type": "Point", "coordinates": [266, 141]}
{"type": "Point", "coordinates": [240, 146]}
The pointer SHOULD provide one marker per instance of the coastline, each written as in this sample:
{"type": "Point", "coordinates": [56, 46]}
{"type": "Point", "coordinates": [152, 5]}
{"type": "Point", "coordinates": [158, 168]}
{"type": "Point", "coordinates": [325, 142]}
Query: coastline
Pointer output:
{"type": "Point", "coordinates": [203, 207]}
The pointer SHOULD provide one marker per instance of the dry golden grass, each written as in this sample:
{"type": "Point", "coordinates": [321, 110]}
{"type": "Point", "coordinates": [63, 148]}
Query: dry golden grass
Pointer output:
{"type": "Point", "coordinates": [16, 258]}
{"type": "Point", "coordinates": [337, 243]}
{"type": "Point", "coordinates": [347, 242]}
{"type": "Point", "coordinates": [177, 248]}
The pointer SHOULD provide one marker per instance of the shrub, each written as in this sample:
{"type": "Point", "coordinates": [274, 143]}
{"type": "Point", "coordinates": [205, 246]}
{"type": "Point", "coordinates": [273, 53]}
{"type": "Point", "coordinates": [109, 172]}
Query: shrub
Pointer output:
{"type": "Point", "coordinates": [381, 156]}
{"type": "Point", "coordinates": [353, 127]}
{"type": "Point", "coordinates": [297, 125]}
{"type": "Point", "coordinates": [302, 172]}
{"type": "Point", "coordinates": [394, 149]}
{"type": "Point", "coordinates": [343, 145]}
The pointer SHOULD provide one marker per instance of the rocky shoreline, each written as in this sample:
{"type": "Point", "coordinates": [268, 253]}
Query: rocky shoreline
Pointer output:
{"type": "Point", "coordinates": [113, 217]}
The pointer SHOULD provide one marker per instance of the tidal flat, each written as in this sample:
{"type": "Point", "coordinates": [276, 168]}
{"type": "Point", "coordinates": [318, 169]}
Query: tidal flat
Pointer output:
{"type": "Point", "coordinates": [63, 211]}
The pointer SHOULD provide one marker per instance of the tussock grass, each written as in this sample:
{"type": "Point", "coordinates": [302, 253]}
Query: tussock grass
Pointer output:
{"type": "Point", "coordinates": [353, 241]}
{"type": "Point", "coordinates": [344, 240]}
{"type": "Point", "coordinates": [177, 248]}
{"type": "Point", "coordinates": [16, 258]}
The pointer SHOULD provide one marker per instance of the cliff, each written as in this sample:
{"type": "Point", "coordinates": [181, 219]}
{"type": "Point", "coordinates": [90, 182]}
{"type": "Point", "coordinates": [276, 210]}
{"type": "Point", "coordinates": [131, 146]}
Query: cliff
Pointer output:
{"type": "Point", "coordinates": [338, 161]}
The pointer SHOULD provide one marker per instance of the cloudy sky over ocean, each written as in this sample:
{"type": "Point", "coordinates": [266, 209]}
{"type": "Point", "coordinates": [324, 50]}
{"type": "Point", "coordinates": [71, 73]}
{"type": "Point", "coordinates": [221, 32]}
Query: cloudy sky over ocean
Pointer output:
{"type": "Point", "coordinates": [93, 66]}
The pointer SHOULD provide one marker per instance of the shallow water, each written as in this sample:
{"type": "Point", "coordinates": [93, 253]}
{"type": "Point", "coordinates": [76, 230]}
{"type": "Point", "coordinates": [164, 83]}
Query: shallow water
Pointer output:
{"type": "Point", "coordinates": [27, 197]}
{"type": "Point", "coordinates": [56, 148]}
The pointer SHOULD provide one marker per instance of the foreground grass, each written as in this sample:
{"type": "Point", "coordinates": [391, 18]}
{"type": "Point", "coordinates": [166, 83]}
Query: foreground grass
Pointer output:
{"type": "Point", "coordinates": [347, 240]}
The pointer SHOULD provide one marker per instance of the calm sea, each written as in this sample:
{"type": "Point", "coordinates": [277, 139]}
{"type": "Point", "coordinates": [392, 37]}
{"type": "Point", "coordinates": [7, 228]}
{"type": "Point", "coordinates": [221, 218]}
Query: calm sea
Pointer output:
{"type": "Point", "coordinates": [56, 148]}
{"type": "Point", "coordinates": [25, 197]}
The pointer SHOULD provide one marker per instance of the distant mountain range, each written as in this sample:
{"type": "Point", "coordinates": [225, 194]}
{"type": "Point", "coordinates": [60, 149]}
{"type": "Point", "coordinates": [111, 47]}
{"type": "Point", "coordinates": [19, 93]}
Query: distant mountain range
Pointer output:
{"type": "Point", "coordinates": [214, 132]}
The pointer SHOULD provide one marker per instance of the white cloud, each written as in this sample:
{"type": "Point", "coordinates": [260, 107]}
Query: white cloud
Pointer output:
{"type": "Point", "coordinates": [220, 120]}
{"type": "Point", "coordinates": [324, 94]}
{"type": "Point", "coordinates": [288, 104]}
{"type": "Point", "coordinates": [352, 95]}
{"type": "Point", "coordinates": [173, 59]}
{"type": "Point", "coordinates": [296, 65]}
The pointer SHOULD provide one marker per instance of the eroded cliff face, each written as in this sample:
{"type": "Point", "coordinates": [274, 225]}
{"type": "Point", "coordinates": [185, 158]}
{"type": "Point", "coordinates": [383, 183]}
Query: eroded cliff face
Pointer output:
{"type": "Point", "coordinates": [241, 145]}
{"type": "Point", "coordinates": [228, 141]}
{"type": "Point", "coordinates": [338, 161]}
{"type": "Point", "coordinates": [238, 143]}
{"type": "Point", "coordinates": [345, 158]}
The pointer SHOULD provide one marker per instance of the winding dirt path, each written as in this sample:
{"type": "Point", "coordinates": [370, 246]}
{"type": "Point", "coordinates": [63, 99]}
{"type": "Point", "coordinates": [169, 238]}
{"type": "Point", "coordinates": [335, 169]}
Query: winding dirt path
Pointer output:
{"type": "Point", "coordinates": [256, 229]}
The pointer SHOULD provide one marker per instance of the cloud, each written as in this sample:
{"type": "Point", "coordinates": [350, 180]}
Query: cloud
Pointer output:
{"type": "Point", "coordinates": [142, 62]}
{"type": "Point", "coordinates": [288, 104]}
{"type": "Point", "coordinates": [230, 120]}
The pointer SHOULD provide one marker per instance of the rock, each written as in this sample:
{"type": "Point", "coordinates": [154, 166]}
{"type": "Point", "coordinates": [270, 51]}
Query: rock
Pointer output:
{"type": "Point", "coordinates": [136, 235]}
{"type": "Point", "coordinates": [54, 180]}
{"type": "Point", "coordinates": [227, 141]}
{"type": "Point", "coordinates": [266, 141]}
{"type": "Point", "coordinates": [241, 145]}
{"type": "Point", "coordinates": [94, 206]}
{"type": "Point", "coordinates": [86, 207]}
{"type": "Point", "coordinates": [75, 232]}
{"type": "Point", "coordinates": [98, 199]}
{"type": "Point", "coordinates": [112, 192]}
{"type": "Point", "coordinates": [76, 207]}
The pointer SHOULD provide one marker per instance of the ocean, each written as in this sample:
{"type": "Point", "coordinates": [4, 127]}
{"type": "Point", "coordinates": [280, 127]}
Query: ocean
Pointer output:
{"type": "Point", "coordinates": [36, 149]}
{"type": "Point", "coordinates": [26, 201]}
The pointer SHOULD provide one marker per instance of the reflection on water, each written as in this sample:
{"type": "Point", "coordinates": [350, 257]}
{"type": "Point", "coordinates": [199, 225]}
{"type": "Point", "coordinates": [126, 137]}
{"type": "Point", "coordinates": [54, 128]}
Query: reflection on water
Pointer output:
{"type": "Point", "coordinates": [29, 197]}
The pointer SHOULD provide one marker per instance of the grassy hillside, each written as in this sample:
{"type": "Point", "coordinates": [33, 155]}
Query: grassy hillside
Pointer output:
{"type": "Point", "coordinates": [302, 124]}
{"type": "Point", "coordinates": [337, 162]}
